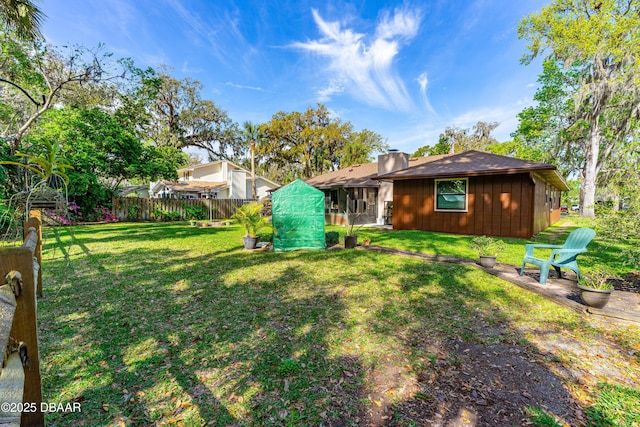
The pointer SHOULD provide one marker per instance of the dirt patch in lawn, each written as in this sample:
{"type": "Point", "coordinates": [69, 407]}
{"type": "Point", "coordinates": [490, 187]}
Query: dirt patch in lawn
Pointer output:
{"type": "Point", "coordinates": [470, 384]}
{"type": "Point", "coordinates": [484, 385]}
{"type": "Point", "coordinates": [499, 381]}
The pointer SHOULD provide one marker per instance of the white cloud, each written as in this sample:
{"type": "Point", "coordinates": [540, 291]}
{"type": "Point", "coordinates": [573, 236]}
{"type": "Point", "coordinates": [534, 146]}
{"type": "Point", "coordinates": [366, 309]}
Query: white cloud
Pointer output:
{"type": "Point", "coordinates": [505, 115]}
{"type": "Point", "coordinates": [334, 87]}
{"type": "Point", "coordinates": [423, 81]}
{"type": "Point", "coordinates": [363, 65]}
{"type": "Point", "coordinates": [258, 89]}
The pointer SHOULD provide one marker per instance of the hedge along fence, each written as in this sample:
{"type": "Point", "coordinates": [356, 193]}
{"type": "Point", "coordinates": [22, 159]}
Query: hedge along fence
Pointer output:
{"type": "Point", "coordinates": [20, 381]}
{"type": "Point", "coordinates": [139, 209]}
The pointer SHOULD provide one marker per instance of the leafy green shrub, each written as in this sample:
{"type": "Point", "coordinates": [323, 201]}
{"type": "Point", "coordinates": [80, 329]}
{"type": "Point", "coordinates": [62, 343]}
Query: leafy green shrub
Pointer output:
{"type": "Point", "coordinates": [133, 213]}
{"type": "Point", "coordinates": [621, 224]}
{"type": "Point", "coordinates": [196, 212]}
{"type": "Point", "coordinates": [598, 279]}
{"type": "Point", "coordinates": [9, 218]}
{"type": "Point", "coordinates": [487, 246]}
{"type": "Point", "coordinates": [331, 238]}
{"type": "Point", "coordinates": [266, 237]}
{"type": "Point", "coordinates": [171, 216]}
{"type": "Point", "coordinates": [165, 216]}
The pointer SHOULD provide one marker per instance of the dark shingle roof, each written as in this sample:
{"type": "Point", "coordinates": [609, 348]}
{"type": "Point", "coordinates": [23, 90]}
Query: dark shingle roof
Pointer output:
{"type": "Point", "coordinates": [474, 163]}
{"type": "Point", "coordinates": [194, 185]}
{"type": "Point", "coordinates": [358, 175]}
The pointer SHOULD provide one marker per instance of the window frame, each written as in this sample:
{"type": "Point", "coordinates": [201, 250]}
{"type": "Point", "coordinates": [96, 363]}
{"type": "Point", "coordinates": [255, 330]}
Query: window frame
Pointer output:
{"type": "Point", "coordinates": [466, 195]}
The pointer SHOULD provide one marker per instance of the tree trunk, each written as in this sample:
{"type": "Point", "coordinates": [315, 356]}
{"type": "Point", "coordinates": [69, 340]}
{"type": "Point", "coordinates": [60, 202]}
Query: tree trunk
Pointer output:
{"type": "Point", "coordinates": [253, 169]}
{"type": "Point", "coordinates": [588, 187]}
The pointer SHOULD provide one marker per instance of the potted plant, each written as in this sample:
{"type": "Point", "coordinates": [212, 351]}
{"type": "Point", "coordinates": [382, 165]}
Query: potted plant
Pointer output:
{"type": "Point", "coordinates": [251, 219]}
{"type": "Point", "coordinates": [488, 249]}
{"type": "Point", "coordinates": [351, 238]}
{"type": "Point", "coordinates": [595, 289]}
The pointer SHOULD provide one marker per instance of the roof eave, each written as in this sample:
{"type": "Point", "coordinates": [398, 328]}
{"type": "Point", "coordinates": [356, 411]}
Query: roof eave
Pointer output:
{"type": "Point", "coordinates": [391, 177]}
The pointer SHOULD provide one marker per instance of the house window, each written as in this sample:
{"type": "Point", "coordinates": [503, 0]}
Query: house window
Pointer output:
{"type": "Point", "coordinates": [451, 194]}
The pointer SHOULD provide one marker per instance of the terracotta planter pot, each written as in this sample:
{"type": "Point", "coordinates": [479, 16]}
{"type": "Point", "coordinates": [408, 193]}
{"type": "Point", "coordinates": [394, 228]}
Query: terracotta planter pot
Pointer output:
{"type": "Point", "coordinates": [487, 261]}
{"type": "Point", "coordinates": [350, 242]}
{"type": "Point", "coordinates": [596, 298]}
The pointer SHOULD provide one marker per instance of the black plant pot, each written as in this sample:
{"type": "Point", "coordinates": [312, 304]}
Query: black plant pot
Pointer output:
{"type": "Point", "coordinates": [487, 261]}
{"type": "Point", "coordinates": [596, 298]}
{"type": "Point", "coordinates": [350, 241]}
{"type": "Point", "coordinates": [250, 242]}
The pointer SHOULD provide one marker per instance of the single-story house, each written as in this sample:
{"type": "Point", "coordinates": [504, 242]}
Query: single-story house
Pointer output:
{"type": "Point", "coordinates": [370, 201]}
{"type": "Point", "coordinates": [216, 180]}
{"type": "Point", "coordinates": [476, 193]}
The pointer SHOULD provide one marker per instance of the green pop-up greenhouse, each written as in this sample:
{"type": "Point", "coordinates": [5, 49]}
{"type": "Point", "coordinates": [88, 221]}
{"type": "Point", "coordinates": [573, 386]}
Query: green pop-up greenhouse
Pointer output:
{"type": "Point", "coordinates": [298, 217]}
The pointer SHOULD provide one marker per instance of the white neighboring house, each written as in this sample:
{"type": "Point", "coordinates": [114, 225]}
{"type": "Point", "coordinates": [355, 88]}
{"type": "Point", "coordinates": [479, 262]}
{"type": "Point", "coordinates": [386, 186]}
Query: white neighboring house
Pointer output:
{"type": "Point", "coordinates": [217, 180]}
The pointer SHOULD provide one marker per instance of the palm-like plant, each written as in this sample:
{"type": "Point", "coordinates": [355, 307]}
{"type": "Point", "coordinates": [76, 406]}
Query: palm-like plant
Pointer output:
{"type": "Point", "coordinates": [250, 218]}
{"type": "Point", "coordinates": [22, 16]}
{"type": "Point", "coordinates": [46, 165]}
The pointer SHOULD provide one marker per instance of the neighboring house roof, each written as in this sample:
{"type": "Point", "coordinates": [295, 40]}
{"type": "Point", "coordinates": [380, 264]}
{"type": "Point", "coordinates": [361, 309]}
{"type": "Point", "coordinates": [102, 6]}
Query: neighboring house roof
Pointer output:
{"type": "Point", "coordinates": [267, 180]}
{"type": "Point", "coordinates": [475, 163]}
{"type": "Point", "coordinates": [358, 175]}
{"type": "Point", "coordinates": [125, 191]}
{"type": "Point", "coordinates": [195, 186]}
{"type": "Point", "coordinates": [204, 165]}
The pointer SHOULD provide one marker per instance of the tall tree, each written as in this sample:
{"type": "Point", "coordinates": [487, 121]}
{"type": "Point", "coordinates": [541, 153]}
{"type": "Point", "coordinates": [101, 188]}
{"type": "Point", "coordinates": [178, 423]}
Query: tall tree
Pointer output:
{"type": "Point", "coordinates": [103, 152]}
{"type": "Point", "coordinates": [303, 145]}
{"type": "Point", "coordinates": [35, 78]}
{"type": "Point", "coordinates": [360, 147]}
{"type": "Point", "coordinates": [601, 40]}
{"type": "Point", "coordinates": [545, 131]}
{"type": "Point", "coordinates": [251, 133]}
{"type": "Point", "coordinates": [181, 118]}
{"type": "Point", "coordinates": [457, 140]}
{"type": "Point", "coordinates": [23, 17]}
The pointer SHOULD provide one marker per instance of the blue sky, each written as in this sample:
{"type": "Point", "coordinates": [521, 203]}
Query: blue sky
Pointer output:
{"type": "Point", "coordinates": [403, 69]}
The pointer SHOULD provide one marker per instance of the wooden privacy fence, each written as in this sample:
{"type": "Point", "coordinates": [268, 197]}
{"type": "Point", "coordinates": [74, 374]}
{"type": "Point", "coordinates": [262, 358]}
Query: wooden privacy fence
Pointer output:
{"type": "Point", "coordinates": [20, 382]}
{"type": "Point", "coordinates": [139, 209]}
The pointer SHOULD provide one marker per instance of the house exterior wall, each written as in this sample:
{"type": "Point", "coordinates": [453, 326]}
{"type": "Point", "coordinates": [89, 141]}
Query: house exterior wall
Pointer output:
{"type": "Point", "coordinates": [547, 205]}
{"type": "Point", "coordinates": [498, 205]}
{"type": "Point", "coordinates": [388, 163]}
{"type": "Point", "coordinates": [262, 188]}
{"type": "Point", "coordinates": [223, 194]}
{"type": "Point", "coordinates": [385, 196]}
{"type": "Point", "coordinates": [213, 172]}
{"type": "Point", "coordinates": [237, 184]}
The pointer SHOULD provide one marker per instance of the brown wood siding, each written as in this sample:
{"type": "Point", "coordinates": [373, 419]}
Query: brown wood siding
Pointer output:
{"type": "Point", "coordinates": [541, 218]}
{"type": "Point", "coordinates": [499, 205]}
{"type": "Point", "coordinates": [555, 210]}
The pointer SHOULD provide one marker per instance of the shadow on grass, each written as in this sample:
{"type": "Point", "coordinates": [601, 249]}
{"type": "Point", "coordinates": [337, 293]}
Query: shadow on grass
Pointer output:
{"type": "Point", "coordinates": [194, 330]}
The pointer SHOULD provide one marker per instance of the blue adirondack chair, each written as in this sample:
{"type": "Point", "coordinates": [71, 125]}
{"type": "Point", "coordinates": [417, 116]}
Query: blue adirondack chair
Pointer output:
{"type": "Point", "coordinates": [562, 256]}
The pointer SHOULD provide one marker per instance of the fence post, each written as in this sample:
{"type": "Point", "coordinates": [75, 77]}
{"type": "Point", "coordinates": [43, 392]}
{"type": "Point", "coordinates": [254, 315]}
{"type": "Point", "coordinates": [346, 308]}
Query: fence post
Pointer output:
{"type": "Point", "coordinates": [24, 328]}
{"type": "Point", "coordinates": [35, 221]}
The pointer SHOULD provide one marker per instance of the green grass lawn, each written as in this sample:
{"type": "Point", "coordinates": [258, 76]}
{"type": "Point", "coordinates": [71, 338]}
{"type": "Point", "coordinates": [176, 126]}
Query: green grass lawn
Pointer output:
{"type": "Point", "coordinates": [603, 252]}
{"type": "Point", "coordinates": [174, 325]}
